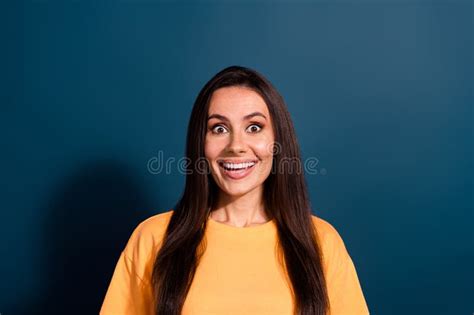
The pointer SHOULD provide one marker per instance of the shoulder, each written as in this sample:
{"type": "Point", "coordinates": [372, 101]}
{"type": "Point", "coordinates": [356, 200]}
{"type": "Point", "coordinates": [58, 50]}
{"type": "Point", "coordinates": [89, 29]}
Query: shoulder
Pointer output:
{"type": "Point", "coordinates": [154, 226]}
{"type": "Point", "coordinates": [331, 243]}
{"type": "Point", "coordinates": [147, 237]}
{"type": "Point", "coordinates": [344, 289]}
{"type": "Point", "coordinates": [326, 231]}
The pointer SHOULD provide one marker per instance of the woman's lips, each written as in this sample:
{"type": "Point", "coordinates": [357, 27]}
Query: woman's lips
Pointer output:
{"type": "Point", "coordinates": [237, 174]}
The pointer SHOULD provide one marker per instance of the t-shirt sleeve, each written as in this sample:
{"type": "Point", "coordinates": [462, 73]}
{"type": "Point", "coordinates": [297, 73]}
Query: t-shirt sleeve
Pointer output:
{"type": "Point", "coordinates": [129, 291]}
{"type": "Point", "coordinates": [344, 289]}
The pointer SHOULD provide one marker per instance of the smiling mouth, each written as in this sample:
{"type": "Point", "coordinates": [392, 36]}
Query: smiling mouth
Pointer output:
{"type": "Point", "coordinates": [237, 171]}
{"type": "Point", "coordinates": [236, 166]}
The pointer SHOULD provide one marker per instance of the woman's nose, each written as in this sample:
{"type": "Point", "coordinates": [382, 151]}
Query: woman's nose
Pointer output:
{"type": "Point", "coordinates": [236, 143]}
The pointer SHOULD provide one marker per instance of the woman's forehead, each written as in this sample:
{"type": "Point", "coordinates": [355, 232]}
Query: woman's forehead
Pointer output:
{"type": "Point", "coordinates": [236, 101]}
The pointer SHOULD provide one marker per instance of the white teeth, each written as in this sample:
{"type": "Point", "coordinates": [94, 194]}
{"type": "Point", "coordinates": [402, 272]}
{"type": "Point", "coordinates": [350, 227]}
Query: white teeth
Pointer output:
{"type": "Point", "coordinates": [238, 165]}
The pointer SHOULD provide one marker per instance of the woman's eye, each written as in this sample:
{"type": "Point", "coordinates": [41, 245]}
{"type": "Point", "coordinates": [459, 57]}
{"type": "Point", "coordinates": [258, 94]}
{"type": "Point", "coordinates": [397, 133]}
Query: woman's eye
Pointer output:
{"type": "Point", "coordinates": [255, 128]}
{"type": "Point", "coordinates": [218, 129]}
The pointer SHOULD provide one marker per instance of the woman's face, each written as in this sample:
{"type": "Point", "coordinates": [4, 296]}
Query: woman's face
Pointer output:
{"type": "Point", "coordinates": [239, 140]}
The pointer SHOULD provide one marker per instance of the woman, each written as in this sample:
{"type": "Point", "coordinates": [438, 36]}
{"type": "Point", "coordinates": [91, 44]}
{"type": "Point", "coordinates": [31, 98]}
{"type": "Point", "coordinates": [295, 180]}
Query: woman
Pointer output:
{"type": "Point", "coordinates": [242, 238]}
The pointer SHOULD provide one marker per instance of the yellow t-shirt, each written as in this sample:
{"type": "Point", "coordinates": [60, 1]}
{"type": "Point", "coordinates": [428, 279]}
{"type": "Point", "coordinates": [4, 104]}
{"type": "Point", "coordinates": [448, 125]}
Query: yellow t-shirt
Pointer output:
{"type": "Point", "coordinates": [239, 272]}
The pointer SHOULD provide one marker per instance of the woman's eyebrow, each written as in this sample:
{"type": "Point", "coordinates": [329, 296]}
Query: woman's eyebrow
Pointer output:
{"type": "Point", "coordinates": [221, 117]}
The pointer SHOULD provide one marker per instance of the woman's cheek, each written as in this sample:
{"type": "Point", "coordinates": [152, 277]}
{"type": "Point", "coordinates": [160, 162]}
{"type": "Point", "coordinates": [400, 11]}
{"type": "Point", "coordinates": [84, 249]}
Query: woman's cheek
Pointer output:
{"type": "Point", "coordinates": [211, 149]}
{"type": "Point", "coordinates": [263, 148]}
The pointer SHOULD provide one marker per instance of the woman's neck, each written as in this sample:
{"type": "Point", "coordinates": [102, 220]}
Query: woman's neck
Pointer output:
{"type": "Point", "coordinates": [240, 211]}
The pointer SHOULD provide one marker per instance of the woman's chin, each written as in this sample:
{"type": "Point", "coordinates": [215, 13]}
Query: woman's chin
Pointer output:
{"type": "Point", "coordinates": [236, 191]}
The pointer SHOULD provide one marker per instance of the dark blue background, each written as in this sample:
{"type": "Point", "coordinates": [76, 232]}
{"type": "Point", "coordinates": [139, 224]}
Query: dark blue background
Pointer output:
{"type": "Point", "coordinates": [381, 93]}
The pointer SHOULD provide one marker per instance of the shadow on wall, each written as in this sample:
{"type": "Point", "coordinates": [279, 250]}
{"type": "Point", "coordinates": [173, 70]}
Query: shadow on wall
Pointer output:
{"type": "Point", "coordinates": [86, 226]}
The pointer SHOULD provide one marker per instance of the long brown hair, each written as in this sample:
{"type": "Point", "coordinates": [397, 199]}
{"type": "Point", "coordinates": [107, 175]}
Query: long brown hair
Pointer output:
{"type": "Point", "coordinates": [285, 200]}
